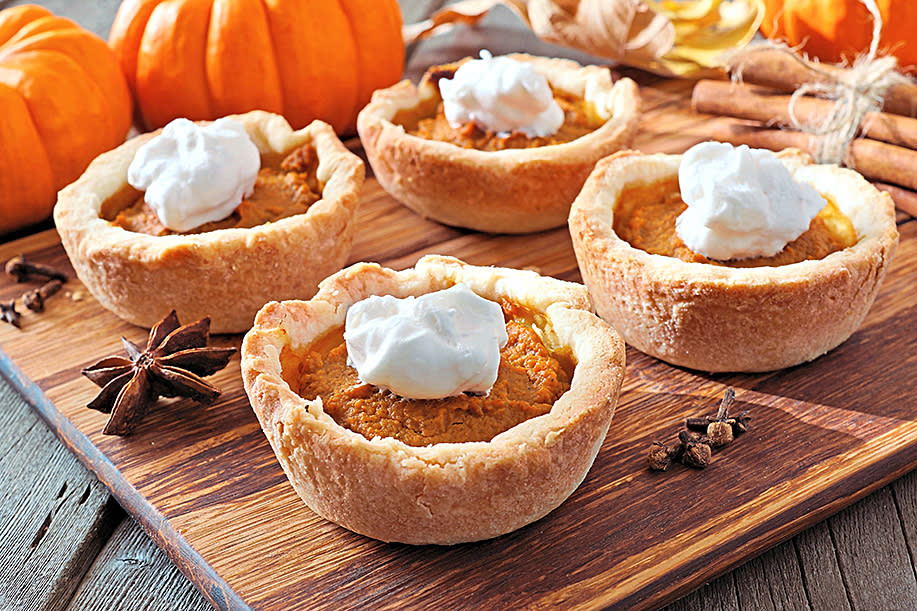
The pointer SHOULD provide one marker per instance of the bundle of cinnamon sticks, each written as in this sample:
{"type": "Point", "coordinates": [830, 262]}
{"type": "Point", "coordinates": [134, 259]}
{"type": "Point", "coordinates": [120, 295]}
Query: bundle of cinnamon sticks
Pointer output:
{"type": "Point", "coordinates": [885, 150]}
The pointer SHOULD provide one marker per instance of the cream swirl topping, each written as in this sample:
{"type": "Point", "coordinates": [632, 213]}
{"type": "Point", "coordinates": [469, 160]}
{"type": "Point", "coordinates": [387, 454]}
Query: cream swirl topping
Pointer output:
{"type": "Point", "coordinates": [437, 345]}
{"type": "Point", "coordinates": [502, 95]}
{"type": "Point", "coordinates": [742, 202]}
{"type": "Point", "coordinates": [194, 174]}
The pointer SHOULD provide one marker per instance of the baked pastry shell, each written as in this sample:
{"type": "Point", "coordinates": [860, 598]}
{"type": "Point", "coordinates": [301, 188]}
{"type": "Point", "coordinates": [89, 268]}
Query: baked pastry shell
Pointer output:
{"type": "Point", "coordinates": [715, 318]}
{"type": "Point", "coordinates": [507, 191]}
{"type": "Point", "coordinates": [227, 274]}
{"type": "Point", "coordinates": [442, 493]}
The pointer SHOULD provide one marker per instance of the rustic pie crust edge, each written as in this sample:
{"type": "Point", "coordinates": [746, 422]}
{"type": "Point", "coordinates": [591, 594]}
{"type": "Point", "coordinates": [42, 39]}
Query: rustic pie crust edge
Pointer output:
{"type": "Point", "coordinates": [442, 493]}
{"type": "Point", "coordinates": [227, 274]}
{"type": "Point", "coordinates": [715, 318]}
{"type": "Point", "coordinates": [506, 191]}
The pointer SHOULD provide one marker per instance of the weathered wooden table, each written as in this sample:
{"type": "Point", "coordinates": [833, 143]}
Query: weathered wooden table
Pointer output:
{"type": "Point", "coordinates": [66, 544]}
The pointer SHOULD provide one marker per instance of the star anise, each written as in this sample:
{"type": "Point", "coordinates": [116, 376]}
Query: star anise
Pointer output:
{"type": "Point", "coordinates": [172, 364]}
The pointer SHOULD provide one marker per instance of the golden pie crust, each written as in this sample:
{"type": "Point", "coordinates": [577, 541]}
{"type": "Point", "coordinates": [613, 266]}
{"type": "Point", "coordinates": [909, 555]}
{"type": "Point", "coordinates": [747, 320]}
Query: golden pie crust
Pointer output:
{"type": "Point", "coordinates": [716, 318]}
{"type": "Point", "coordinates": [442, 493]}
{"type": "Point", "coordinates": [227, 274]}
{"type": "Point", "coordinates": [507, 191]}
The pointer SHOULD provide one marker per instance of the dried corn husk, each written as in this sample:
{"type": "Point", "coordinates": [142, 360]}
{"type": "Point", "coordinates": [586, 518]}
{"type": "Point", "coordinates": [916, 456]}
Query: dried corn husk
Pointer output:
{"type": "Point", "coordinates": [668, 37]}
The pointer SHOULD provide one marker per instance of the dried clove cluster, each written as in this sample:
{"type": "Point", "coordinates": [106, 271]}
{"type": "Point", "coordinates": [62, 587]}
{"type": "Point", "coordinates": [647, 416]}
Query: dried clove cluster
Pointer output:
{"type": "Point", "coordinates": [700, 437]}
{"type": "Point", "coordinates": [22, 270]}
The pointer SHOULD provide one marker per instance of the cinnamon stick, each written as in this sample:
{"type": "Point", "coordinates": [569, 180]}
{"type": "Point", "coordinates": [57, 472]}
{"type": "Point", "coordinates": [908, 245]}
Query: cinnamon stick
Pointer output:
{"type": "Point", "coordinates": [757, 136]}
{"type": "Point", "coordinates": [873, 159]}
{"type": "Point", "coordinates": [778, 70]}
{"type": "Point", "coordinates": [772, 108]}
{"type": "Point", "coordinates": [905, 199]}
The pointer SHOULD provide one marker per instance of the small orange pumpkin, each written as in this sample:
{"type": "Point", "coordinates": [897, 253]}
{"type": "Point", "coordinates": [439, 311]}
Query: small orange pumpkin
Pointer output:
{"type": "Point", "coordinates": [63, 101]}
{"type": "Point", "coordinates": [840, 30]}
{"type": "Point", "coordinates": [304, 59]}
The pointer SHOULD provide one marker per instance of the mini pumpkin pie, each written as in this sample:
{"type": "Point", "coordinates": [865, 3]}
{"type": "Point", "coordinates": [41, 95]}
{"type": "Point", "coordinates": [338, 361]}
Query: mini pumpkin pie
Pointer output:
{"type": "Point", "coordinates": [751, 314]}
{"type": "Point", "coordinates": [294, 229]}
{"type": "Point", "coordinates": [490, 181]}
{"type": "Point", "coordinates": [441, 471]}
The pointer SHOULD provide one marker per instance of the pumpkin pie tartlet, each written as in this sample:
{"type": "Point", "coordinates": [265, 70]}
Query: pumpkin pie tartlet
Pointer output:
{"type": "Point", "coordinates": [292, 231]}
{"type": "Point", "coordinates": [755, 314]}
{"type": "Point", "coordinates": [486, 181]}
{"type": "Point", "coordinates": [440, 471]}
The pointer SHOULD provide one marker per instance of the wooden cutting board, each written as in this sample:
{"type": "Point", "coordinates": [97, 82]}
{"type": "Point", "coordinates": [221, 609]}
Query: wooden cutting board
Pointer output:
{"type": "Point", "coordinates": [206, 486]}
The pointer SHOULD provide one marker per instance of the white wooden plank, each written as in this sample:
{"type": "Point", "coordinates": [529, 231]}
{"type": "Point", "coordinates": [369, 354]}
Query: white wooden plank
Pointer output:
{"type": "Point", "coordinates": [873, 555]}
{"type": "Point", "coordinates": [821, 573]}
{"type": "Point", "coordinates": [719, 594]}
{"type": "Point", "coordinates": [54, 514]}
{"type": "Point", "coordinates": [133, 574]}
{"type": "Point", "coordinates": [772, 581]}
{"type": "Point", "coordinates": [905, 497]}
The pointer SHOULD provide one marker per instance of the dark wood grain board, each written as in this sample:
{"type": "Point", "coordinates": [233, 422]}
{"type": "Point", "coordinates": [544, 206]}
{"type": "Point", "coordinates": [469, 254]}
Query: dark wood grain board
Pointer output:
{"type": "Point", "coordinates": [204, 482]}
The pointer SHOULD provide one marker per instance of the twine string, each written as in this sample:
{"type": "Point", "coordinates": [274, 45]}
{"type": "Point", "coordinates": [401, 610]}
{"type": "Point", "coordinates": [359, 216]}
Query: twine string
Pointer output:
{"type": "Point", "coordinates": [856, 91]}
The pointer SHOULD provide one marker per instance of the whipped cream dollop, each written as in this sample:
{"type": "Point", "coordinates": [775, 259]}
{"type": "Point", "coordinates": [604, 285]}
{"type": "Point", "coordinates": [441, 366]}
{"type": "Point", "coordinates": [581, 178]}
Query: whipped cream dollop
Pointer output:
{"type": "Point", "coordinates": [437, 345]}
{"type": "Point", "coordinates": [195, 174]}
{"type": "Point", "coordinates": [742, 202]}
{"type": "Point", "coordinates": [502, 95]}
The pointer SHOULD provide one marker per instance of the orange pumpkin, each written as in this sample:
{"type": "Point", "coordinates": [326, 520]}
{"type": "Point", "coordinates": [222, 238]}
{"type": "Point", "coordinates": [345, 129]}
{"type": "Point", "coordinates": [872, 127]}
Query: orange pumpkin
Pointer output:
{"type": "Point", "coordinates": [839, 30]}
{"type": "Point", "coordinates": [63, 101]}
{"type": "Point", "coordinates": [304, 59]}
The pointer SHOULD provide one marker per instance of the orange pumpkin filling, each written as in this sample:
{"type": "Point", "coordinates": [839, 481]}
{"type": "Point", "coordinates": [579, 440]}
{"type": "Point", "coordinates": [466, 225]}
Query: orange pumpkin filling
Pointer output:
{"type": "Point", "coordinates": [278, 193]}
{"type": "Point", "coordinates": [429, 121]}
{"type": "Point", "coordinates": [645, 218]}
{"type": "Point", "coordinates": [529, 381]}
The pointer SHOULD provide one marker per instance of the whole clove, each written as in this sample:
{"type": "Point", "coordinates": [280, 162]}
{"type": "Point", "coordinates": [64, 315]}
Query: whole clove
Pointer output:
{"type": "Point", "coordinates": [719, 433]}
{"type": "Point", "coordinates": [739, 423]}
{"type": "Point", "coordinates": [35, 299]}
{"type": "Point", "coordinates": [22, 270]}
{"type": "Point", "coordinates": [697, 454]}
{"type": "Point", "coordinates": [9, 314]}
{"type": "Point", "coordinates": [660, 456]}
{"type": "Point", "coordinates": [719, 430]}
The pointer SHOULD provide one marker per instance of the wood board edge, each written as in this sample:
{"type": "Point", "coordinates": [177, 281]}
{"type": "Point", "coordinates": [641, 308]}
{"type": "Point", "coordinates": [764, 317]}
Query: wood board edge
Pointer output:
{"type": "Point", "coordinates": [217, 592]}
